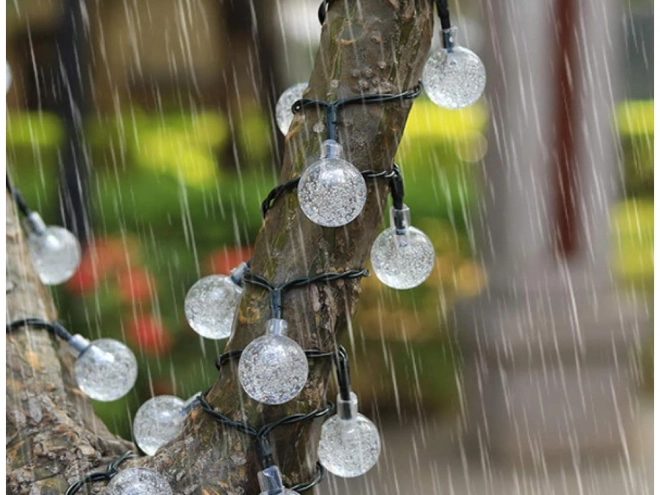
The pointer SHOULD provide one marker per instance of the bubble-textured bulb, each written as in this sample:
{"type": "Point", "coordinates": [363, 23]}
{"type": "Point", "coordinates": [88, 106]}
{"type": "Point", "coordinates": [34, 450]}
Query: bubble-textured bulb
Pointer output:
{"type": "Point", "coordinates": [350, 443]}
{"type": "Point", "coordinates": [55, 251]}
{"type": "Point", "coordinates": [283, 113]}
{"type": "Point", "coordinates": [270, 482]}
{"type": "Point", "coordinates": [105, 370]}
{"type": "Point", "coordinates": [157, 422]}
{"type": "Point", "coordinates": [211, 304]}
{"type": "Point", "coordinates": [138, 481]}
{"type": "Point", "coordinates": [273, 368]}
{"type": "Point", "coordinates": [454, 77]}
{"type": "Point", "coordinates": [403, 257]}
{"type": "Point", "coordinates": [332, 192]}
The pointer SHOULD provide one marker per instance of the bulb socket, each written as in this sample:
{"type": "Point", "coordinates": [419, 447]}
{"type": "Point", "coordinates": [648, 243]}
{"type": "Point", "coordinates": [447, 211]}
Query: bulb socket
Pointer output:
{"type": "Point", "coordinates": [331, 149]}
{"type": "Point", "coordinates": [190, 404]}
{"type": "Point", "coordinates": [277, 326]}
{"type": "Point", "coordinates": [34, 223]}
{"type": "Point", "coordinates": [78, 345]}
{"type": "Point", "coordinates": [237, 273]}
{"type": "Point", "coordinates": [449, 38]}
{"type": "Point", "coordinates": [270, 481]}
{"type": "Point", "coordinates": [347, 409]}
{"type": "Point", "coordinates": [400, 219]}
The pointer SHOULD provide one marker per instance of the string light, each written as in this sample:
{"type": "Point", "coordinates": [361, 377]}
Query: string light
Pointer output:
{"type": "Point", "coordinates": [402, 256]}
{"type": "Point", "coordinates": [159, 420]}
{"type": "Point", "coordinates": [270, 482]}
{"type": "Point", "coordinates": [273, 368]}
{"type": "Point", "coordinates": [138, 481]}
{"type": "Point", "coordinates": [211, 303]}
{"type": "Point", "coordinates": [105, 369]}
{"type": "Point", "coordinates": [350, 443]}
{"type": "Point", "coordinates": [55, 252]}
{"type": "Point", "coordinates": [332, 192]}
{"type": "Point", "coordinates": [454, 77]}
{"type": "Point", "coordinates": [283, 113]}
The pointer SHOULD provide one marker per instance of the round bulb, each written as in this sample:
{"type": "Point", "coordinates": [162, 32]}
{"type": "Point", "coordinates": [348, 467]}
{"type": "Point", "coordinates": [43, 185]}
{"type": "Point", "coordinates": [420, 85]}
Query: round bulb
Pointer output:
{"type": "Point", "coordinates": [105, 370]}
{"type": "Point", "coordinates": [138, 481]}
{"type": "Point", "coordinates": [157, 422]}
{"type": "Point", "coordinates": [332, 192]}
{"type": "Point", "coordinates": [454, 77]}
{"type": "Point", "coordinates": [350, 443]}
{"type": "Point", "coordinates": [55, 251]}
{"type": "Point", "coordinates": [283, 113]}
{"type": "Point", "coordinates": [402, 258]}
{"type": "Point", "coordinates": [273, 368]}
{"type": "Point", "coordinates": [211, 304]}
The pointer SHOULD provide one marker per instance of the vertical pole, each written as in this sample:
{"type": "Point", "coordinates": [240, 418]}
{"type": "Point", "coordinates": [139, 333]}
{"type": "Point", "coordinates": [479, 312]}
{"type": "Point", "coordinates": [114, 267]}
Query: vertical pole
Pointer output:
{"type": "Point", "coordinates": [566, 174]}
{"type": "Point", "coordinates": [74, 166]}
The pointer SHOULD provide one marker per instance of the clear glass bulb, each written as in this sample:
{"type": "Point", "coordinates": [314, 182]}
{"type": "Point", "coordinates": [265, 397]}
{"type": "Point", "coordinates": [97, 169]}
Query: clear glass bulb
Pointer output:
{"type": "Point", "coordinates": [105, 369]}
{"type": "Point", "coordinates": [211, 303]}
{"type": "Point", "coordinates": [138, 481]}
{"type": "Point", "coordinates": [159, 420]}
{"type": "Point", "coordinates": [283, 113]}
{"type": "Point", "coordinates": [454, 77]}
{"type": "Point", "coordinates": [350, 443]}
{"type": "Point", "coordinates": [402, 256]}
{"type": "Point", "coordinates": [55, 251]}
{"type": "Point", "coordinates": [332, 192]}
{"type": "Point", "coordinates": [273, 368]}
{"type": "Point", "coordinates": [270, 482]}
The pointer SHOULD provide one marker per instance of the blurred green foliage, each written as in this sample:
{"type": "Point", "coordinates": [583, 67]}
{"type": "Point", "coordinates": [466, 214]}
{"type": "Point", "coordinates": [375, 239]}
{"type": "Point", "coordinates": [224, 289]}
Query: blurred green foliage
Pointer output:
{"type": "Point", "coordinates": [168, 207]}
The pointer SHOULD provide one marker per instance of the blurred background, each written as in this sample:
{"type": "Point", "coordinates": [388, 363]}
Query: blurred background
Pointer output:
{"type": "Point", "coordinates": [170, 124]}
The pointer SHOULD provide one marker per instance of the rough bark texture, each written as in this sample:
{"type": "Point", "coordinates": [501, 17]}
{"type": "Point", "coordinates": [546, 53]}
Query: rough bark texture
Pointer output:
{"type": "Point", "coordinates": [372, 46]}
{"type": "Point", "coordinates": [53, 436]}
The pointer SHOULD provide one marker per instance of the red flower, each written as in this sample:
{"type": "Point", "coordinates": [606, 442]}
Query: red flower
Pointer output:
{"type": "Point", "coordinates": [100, 258]}
{"type": "Point", "coordinates": [136, 285]}
{"type": "Point", "coordinates": [149, 333]}
{"type": "Point", "coordinates": [226, 259]}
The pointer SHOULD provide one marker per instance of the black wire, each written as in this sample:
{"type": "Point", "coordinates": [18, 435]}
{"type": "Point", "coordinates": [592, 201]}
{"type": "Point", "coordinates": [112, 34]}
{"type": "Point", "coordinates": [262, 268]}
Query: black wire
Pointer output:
{"type": "Point", "coordinates": [278, 191]}
{"type": "Point", "coordinates": [443, 13]}
{"type": "Point", "coordinates": [21, 204]}
{"type": "Point", "coordinates": [343, 374]}
{"type": "Point", "coordinates": [107, 475]}
{"type": "Point", "coordinates": [332, 107]}
{"type": "Point", "coordinates": [261, 435]}
{"type": "Point", "coordinates": [303, 487]}
{"type": "Point", "coordinates": [38, 324]}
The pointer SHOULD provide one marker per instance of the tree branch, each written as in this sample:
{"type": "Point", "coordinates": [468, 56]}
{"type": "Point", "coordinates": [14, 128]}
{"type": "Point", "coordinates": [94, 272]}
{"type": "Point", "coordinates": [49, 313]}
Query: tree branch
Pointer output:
{"type": "Point", "coordinates": [370, 46]}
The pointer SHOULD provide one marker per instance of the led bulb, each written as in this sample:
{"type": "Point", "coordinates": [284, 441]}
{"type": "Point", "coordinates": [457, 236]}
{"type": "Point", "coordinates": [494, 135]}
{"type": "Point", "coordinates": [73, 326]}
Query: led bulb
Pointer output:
{"type": "Point", "coordinates": [350, 443]}
{"type": "Point", "coordinates": [211, 303]}
{"type": "Point", "coordinates": [159, 420]}
{"type": "Point", "coordinates": [105, 369]}
{"type": "Point", "coordinates": [454, 77]}
{"type": "Point", "coordinates": [273, 368]}
{"type": "Point", "coordinates": [283, 113]}
{"type": "Point", "coordinates": [138, 481]}
{"type": "Point", "coordinates": [332, 192]}
{"type": "Point", "coordinates": [402, 256]}
{"type": "Point", "coordinates": [270, 482]}
{"type": "Point", "coordinates": [55, 251]}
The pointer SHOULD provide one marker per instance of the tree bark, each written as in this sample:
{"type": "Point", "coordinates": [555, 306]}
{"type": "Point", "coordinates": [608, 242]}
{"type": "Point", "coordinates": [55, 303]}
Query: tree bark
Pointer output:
{"type": "Point", "coordinates": [372, 46]}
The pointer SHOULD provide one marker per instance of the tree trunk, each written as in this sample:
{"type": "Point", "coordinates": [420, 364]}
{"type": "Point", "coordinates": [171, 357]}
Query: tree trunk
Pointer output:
{"type": "Point", "coordinates": [372, 46]}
